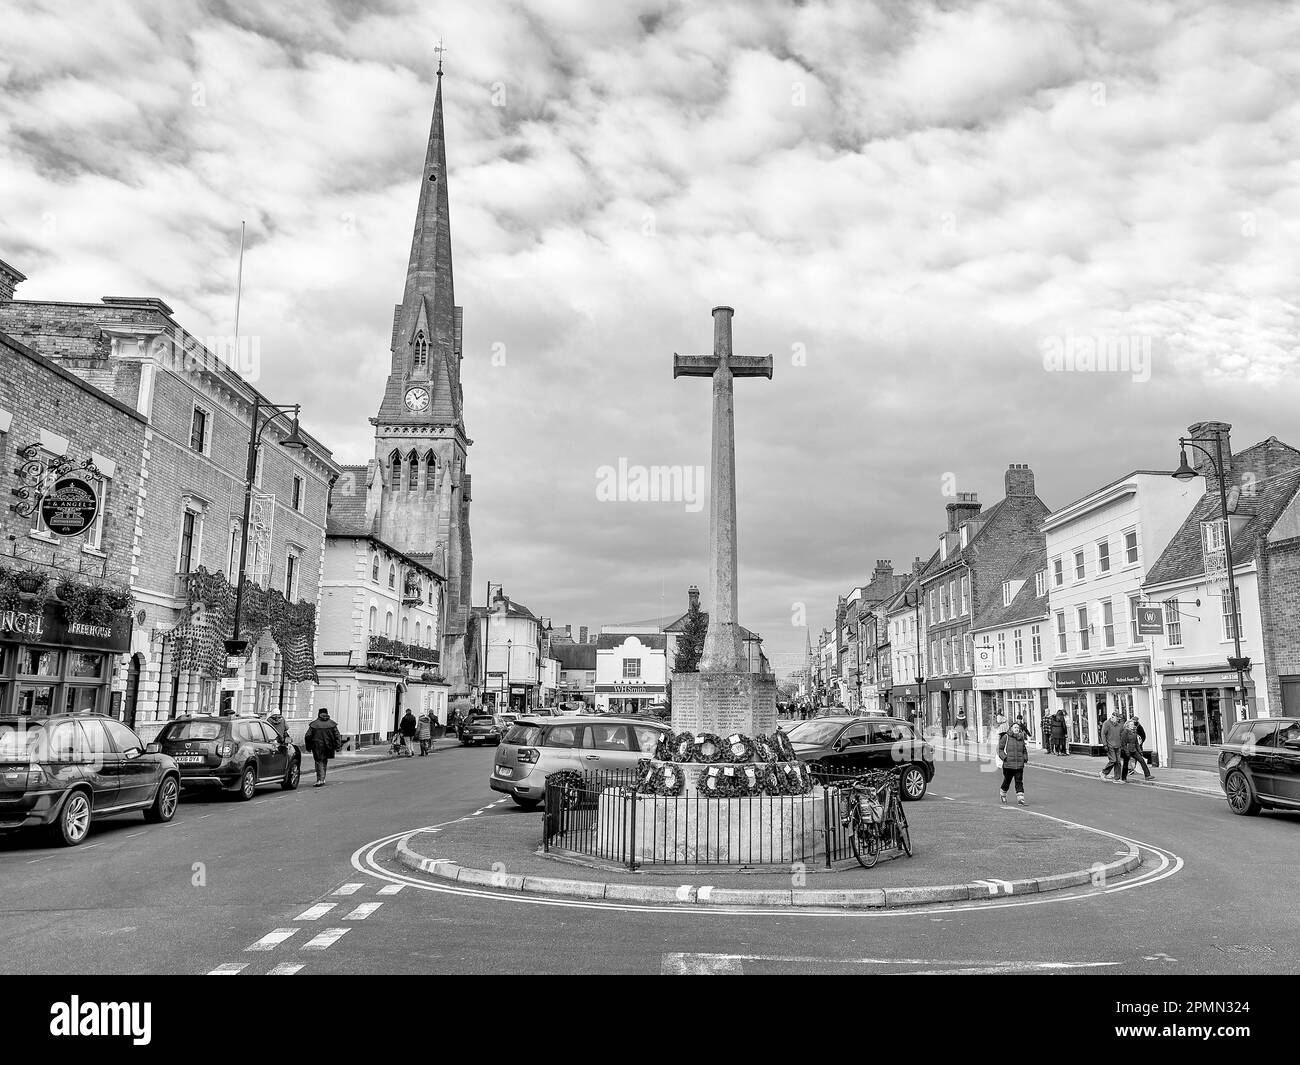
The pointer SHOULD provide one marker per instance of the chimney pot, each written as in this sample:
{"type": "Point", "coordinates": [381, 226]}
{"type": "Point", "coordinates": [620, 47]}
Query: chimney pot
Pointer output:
{"type": "Point", "coordinates": [966, 507]}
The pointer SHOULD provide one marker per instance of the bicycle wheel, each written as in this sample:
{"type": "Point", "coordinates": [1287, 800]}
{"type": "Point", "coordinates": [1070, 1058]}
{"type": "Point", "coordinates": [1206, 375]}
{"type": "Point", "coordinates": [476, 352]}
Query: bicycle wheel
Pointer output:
{"type": "Point", "coordinates": [866, 848]}
{"type": "Point", "coordinates": [904, 837]}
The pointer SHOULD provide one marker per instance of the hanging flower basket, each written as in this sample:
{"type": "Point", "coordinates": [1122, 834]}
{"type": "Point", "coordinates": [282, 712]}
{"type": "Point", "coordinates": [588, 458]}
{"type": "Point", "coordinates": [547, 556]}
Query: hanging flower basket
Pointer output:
{"type": "Point", "coordinates": [31, 581]}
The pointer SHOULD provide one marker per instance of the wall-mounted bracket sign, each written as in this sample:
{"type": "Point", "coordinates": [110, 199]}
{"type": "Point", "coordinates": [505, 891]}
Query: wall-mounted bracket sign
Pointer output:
{"type": "Point", "coordinates": [70, 507]}
{"type": "Point", "coordinates": [71, 483]}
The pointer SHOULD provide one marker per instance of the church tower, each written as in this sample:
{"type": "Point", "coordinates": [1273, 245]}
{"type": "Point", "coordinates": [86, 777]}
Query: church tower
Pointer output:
{"type": "Point", "coordinates": [418, 490]}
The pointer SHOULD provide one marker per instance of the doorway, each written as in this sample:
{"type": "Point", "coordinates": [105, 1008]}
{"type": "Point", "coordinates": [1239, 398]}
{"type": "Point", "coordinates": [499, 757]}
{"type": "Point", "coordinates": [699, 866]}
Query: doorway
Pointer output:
{"type": "Point", "coordinates": [132, 688]}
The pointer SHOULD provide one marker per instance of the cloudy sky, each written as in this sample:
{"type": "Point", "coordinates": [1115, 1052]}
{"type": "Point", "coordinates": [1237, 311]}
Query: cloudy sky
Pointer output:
{"type": "Point", "coordinates": [915, 208]}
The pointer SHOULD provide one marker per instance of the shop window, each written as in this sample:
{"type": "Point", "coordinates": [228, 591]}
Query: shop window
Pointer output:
{"type": "Point", "coordinates": [1201, 715]}
{"type": "Point", "coordinates": [86, 665]}
{"type": "Point", "coordinates": [34, 662]}
{"type": "Point", "coordinates": [35, 700]}
{"type": "Point", "coordinates": [79, 699]}
{"type": "Point", "coordinates": [1173, 624]}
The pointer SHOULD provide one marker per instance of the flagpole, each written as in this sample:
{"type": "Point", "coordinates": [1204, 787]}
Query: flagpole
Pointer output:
{"type": "Point", "coordinates": [239, 285]}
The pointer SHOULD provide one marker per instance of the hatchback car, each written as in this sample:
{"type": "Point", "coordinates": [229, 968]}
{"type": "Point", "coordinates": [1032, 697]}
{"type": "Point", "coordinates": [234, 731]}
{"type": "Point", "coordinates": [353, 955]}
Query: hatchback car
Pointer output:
{"type": "Point", "coordinates": [538, 747]}
{"type": "Point", "coordinates": [480, 728]}
{"type": "Point", "coordinates": [1259, 765]}
{"type": "Point", "coordinates": [65, 771]}
{"type": "Point", "coordinates": [238, 754]}
{"type": "Point", "coordinates": [856, 744]}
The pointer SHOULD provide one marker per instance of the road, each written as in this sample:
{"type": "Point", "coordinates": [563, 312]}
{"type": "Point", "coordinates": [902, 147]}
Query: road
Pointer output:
{"type": "Point", "coordinates": [272, 886]}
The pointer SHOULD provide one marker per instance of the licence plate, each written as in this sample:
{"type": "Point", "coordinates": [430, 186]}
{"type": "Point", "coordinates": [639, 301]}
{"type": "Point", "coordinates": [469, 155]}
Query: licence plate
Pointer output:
{"type": "Point", "coordinates": [188, 758]}
{"type": "Point", "coordinates": [505, 771]}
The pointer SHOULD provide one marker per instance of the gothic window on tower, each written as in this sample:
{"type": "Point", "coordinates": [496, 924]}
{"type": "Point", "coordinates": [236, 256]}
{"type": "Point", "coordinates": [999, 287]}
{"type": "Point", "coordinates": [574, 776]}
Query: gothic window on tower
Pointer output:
{"type": "Point", "coordinates": [430, 472]}
{"type": "Point", "coordinates": [420, 358]}
{"type": "Point", "coordinates": [395, 460]}
{"type": "Point", "coordinates": [413, 465]}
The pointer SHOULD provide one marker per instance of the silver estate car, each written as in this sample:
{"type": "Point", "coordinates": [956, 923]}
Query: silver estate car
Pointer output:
{"type": "Point", "coordinates": [537, 747]}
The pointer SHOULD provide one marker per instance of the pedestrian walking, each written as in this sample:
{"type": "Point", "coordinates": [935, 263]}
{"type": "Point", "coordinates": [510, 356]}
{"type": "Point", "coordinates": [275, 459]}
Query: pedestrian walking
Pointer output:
{"type": "Point", "coordinates": [961, 726]}
{"type": "Point", "coordinates": [1014, 753]}
{"type": "Point", "coordinates": [281, 726]}
{"type": "Point", "coordinates": [1131, 748]}
{"type": "Point", "coordinates": [1112, 737]}
{"type": "Point", "coordinates": [323, 740]}
{"type": "Point", "coordinates": [1058, 733]}
{"type": "Point", "coordinates": [407, 726]}
{"type": "Point", "coordinates": [424, 732]}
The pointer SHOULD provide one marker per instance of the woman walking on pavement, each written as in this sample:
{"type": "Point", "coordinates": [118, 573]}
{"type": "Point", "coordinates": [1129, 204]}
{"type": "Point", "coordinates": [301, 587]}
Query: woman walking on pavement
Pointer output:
{"type": "Point", "coordinates": [1014, 752]}
{"type": "Point", "coordinates": [1131, 748]}
{"type": "Point", "coordinates": [1058, 733]}
{"type": "Point", "coordinates": [424, 732]}
{"type": "Point", "coordinates": [323, 740]}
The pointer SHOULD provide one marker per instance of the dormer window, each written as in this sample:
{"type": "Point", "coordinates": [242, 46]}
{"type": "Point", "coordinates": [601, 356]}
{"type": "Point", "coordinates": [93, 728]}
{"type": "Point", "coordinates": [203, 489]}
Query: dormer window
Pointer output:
{"type": "Point", "coordinates": [420, 350]}
{"type": "Point", "coordinates": [1006, 593]}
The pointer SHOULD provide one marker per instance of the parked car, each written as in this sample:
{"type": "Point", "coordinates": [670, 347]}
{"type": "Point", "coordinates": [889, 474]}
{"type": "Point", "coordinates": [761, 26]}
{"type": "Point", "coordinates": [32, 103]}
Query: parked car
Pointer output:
{"type": "Point", "coordinates": [66, 771]}
{"type": "Point", "coordinates": [479, 728]}
{"type": "Point", "coordinates": [538, 747]}
{"type": "Point", "coordinates": [504, 721]}
{"type": "Point", "coordinates": [1259, 765]}
{"type": "Point", "coordinates": [846, 744]}
{"type": "Point", "coordinates": [234, 753]}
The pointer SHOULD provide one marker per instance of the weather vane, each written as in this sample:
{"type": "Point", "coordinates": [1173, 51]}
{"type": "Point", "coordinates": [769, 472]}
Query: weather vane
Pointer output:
{"type": "Point", "coordinates": [440, 50]}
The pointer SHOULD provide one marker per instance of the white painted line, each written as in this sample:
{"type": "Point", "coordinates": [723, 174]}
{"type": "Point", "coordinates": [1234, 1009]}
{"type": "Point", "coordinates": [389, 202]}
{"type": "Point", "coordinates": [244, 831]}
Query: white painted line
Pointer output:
{"type": "Point", "coordinates": [391, 889]}
{"type": "Point", "coordinates": [232, 968]}
{"type": "Point", "coordinates": [703, 894]}
{"type": "Point", "coordinates": [285, 968]}
{"type": "Point", "coordinates": [273, 939]}
{"type": "Point", "coordinates": [326, 939]}
{"type": "Point", "coordinates": [363, 911]}
{"type": "Point", "coordinates": [700, 965]}
{"type": "Point", "coordinates": [315, 913]}
{"type": "Point", "coordinates": [348, 889]}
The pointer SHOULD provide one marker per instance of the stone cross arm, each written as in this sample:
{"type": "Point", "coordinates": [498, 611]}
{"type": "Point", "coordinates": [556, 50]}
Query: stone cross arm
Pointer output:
{"type": "Point", "coordinates": [705, 365]}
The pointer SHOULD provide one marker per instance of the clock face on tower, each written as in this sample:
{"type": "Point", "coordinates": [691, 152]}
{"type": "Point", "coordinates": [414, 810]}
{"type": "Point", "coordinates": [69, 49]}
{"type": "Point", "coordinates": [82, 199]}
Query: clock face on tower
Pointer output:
{"type": "Point", "coordinates": [417, 399]}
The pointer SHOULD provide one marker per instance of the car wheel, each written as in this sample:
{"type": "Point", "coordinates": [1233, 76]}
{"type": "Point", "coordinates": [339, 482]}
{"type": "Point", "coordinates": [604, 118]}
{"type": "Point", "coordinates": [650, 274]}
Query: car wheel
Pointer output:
{"type": "Point", "coordinates": [912, 782]}
{"type": "Point", "coordinates": [1241, 797]}
{"type": "Point", "coordinates": [248, 784]}
{"type": "Point", "coordinates": [164, 803]}
{"type": "Point", "coordinates": [73, 824]}
{"type": "Point", "coordinates": [292, 777]}
{"type": "Point", "coordinates": [525, 804]}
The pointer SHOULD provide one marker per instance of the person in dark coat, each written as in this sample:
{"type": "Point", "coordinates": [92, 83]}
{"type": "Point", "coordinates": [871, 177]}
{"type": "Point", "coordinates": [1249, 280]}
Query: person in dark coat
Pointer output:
{"type": "Point", "coordinates": [1014, 752]}
{"type": "Point", "coordinates": [407, 726]}
{"type": "Point", "coordinates": [1130, 748]}
{"type": "Point", "coordinates": [1057, 724]}
{"type": "Point", "coordinates": [281, 726]}
{"type": "Point", "coordinates": [323, 740]}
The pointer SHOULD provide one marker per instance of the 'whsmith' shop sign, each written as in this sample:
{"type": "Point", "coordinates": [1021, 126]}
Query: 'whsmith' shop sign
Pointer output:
{"type": "Point", "coordinates": [51, 627]}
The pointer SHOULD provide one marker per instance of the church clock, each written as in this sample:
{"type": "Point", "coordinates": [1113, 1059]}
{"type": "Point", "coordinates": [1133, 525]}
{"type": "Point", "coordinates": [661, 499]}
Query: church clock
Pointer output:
{"type": "Point", "coordinates": [417, 399]}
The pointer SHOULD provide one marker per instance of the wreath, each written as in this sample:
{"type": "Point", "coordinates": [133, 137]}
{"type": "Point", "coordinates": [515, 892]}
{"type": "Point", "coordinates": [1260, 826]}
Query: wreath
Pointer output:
{"type": "Point", "coordinates": [773, 780]}
{"type": "Point", "coordinates": [663, 751]}
{"type": "Point", "coordinates": [764, 751]}
{"type": "Point", "coordinates": [681, 747]}
{"type": "Point", "coordinates": [741, 748]}
{"type": "Point", "coordinates": [719, 782]}
{"type": "Point", "coordinates": [708, 748]}
{"type": "Point", "coordinates": [663, 779]}
{"type": "Point", "coordinates": [795, 779]}
{"type": "Point", "coordinates": [752, 779]}
{"type": "Point", "coordinates": [784, 748]}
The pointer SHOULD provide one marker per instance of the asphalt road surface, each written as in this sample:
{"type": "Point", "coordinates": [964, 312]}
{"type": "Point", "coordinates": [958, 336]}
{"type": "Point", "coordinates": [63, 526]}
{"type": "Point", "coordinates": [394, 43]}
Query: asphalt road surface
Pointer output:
{"type": "Point", "coordinates": [284, 885]}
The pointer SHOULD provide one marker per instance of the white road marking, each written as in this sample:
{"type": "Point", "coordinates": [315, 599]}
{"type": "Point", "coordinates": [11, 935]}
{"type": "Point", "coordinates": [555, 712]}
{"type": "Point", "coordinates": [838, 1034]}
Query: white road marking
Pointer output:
{"type": "Point", "coordinates": [348, 889]}
{"type": "Point", "coordinates": [703, 894]}
{"type": "Point", "coordinates": [391, 889]}
{"type": "Point", "coordinates": [273, 939]}
{"type": "Point", "coordinates": [326, 939]}
{"type": "Point", "coordinates": [363, 911]}
{"type": "Point", "coordinates": [315, 913]}
{"type": "Point", "coordinates": [285, 968]}
{"type": "Point", "coordinates": [700, 965]}
{"type": "Point", "coordinates": [233, 968]}
{"type": "Point", "coordinates": [995, 885]}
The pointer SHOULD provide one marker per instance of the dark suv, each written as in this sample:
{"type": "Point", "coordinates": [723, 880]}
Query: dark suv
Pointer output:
{"type": "Point", "coordinates": [238, 754]}
{"type": "Point", "coordinates": [845, 745]}
{"type": "Point", "coordinates": [1259, 765]}
{"type": "Point", "coordinates": [64, 771]}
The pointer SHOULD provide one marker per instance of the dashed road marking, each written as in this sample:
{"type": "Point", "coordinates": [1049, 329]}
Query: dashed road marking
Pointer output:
{"type": "Point", "coordinates": [232, 968]}
{"type": "Point", "coordinates": [348, 889]}
{"type": "Point", "coordinates": [326, 939]}
{"type": "Point", "coordinates": [285, 968]}
{"type": "Point", "coordinates": [391, 889]}
{"type": "Point", "coordinates": [315, 913]}
{"type": "Point", "coordinates": [363, 911]}
{"type": "Point", "coordinates": [273, 939]}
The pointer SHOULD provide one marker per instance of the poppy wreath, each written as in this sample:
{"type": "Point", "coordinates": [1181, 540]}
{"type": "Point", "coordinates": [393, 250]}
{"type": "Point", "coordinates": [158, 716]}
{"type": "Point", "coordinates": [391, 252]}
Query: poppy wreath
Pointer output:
{"type": "Point", "coordinates": [764, 750]}
{"type": "Point", "coordinates": [751, 779]}
{"type": "Point", "coordinates": [664, 748]}
{"type": "Point", "coordinates": [682, 747]}
{"type": "Point", "coordinates": [773, 780]}
{"type": "Point", "coordinates": [708, 748]}
{"type": "Point", "coordinates": [719, 782]}
{"type": "Point", "coordinates": [664, 779]}
{"type": "Point", "coordinates": [741, 748]}
{"type": "Point", "coordinates": [784, 748]}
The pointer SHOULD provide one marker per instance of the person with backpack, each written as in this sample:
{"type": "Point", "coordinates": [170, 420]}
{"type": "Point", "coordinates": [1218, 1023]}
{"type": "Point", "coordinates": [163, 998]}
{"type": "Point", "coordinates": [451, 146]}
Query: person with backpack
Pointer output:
{"type": "Point", "coordinates": [1013, 751]}
{"type": "Point", "coordinates": [324, 741]}
{"type": "Point", "coordinates": [1131, 748]}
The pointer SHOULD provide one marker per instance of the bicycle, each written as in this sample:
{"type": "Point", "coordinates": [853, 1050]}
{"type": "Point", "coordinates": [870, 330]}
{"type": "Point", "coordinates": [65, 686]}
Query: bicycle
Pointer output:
{"type": "Point", "coordinates": [875, 816]}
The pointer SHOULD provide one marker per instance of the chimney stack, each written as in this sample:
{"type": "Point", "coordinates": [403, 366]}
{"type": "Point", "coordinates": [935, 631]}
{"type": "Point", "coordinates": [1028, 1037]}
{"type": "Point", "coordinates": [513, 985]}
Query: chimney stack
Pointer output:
{"type": "Point", "coordinates": [967, 506]}
{"type": "Point", "coordinates": [582, 634]}
{"type": "Point", "coordinates": [568, 632]}
{"type": "Point", "coordinates": [1206, 431]}
{"type": "Point", "coordinates": [1019, 480]}
{"type": "Point", "coordinates": [884, 569]}
{"type": "Point", "coordinates": [9, 281]}
{"type": "Point", "coordinates": [693, 597]}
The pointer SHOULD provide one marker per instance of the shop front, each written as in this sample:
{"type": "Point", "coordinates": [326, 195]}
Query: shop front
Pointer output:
{"type": "Point", "coordinates": [1089, 696]}
{"type": "Point", "coordinates": [628, 698]}
{"type": "Point", "coordinates": [905, 702]}
{"type": "Point", "coordinates": [1200, 710]}
{"type": "Point", "coordinates": [948, 695]}
{"type": "Point", "coordinates": [1007, 696]}
{"type": "Point", "coordinates": [50, 665]}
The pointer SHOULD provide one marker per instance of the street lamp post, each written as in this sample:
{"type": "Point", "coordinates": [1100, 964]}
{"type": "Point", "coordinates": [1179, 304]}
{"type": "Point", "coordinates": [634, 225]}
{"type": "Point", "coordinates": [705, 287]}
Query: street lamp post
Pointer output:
{"type": "Point", "coordinates": [922, 710]}
{"type": "Point", "coordinates": [294, 441]}
{"type": "Point", "coordinates": [1185, 473]}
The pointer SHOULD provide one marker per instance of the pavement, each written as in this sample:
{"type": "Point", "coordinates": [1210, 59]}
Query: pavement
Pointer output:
{"type": "Point", "coordinates": [380, 752]}
{"type": "Point", "coordinates": [308, 882]}
{"type": "Point", "coordinates": [960, 851]}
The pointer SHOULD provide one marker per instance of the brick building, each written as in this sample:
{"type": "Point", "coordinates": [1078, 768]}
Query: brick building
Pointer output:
{"type": "Point", "coordinates": [976, 550]}
{"type": "Point", "coordinates": [53, 657]}
{"type": "Point", "coordinates": [185, 548]}
{"type": "Point", "coordinates": [905, 617]}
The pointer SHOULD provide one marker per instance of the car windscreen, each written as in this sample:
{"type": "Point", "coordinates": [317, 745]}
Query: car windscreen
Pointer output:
{"type": "Point", "coordinates": [815, 731]}
{"type": "Point", "coordinates": [480, 721]}
{"type": "Point", "coordinates": [18, 742]}
{"type": "Point", "coordinates": [524, 735]}
{"type": "Point", "coordinates": [177, 731]}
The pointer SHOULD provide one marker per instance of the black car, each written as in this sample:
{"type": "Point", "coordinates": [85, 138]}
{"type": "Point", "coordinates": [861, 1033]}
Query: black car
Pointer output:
{"type": "Point", "coordinates": [844, 745]}
{"type": "Point", "coordinates": [1259, 765]}
{"type": "Point", "coordinates": [65, 771]}
{"type": "Point", "coordinates": [238, 754]}
{"type": "Point", "coordinates": [480, 728]}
